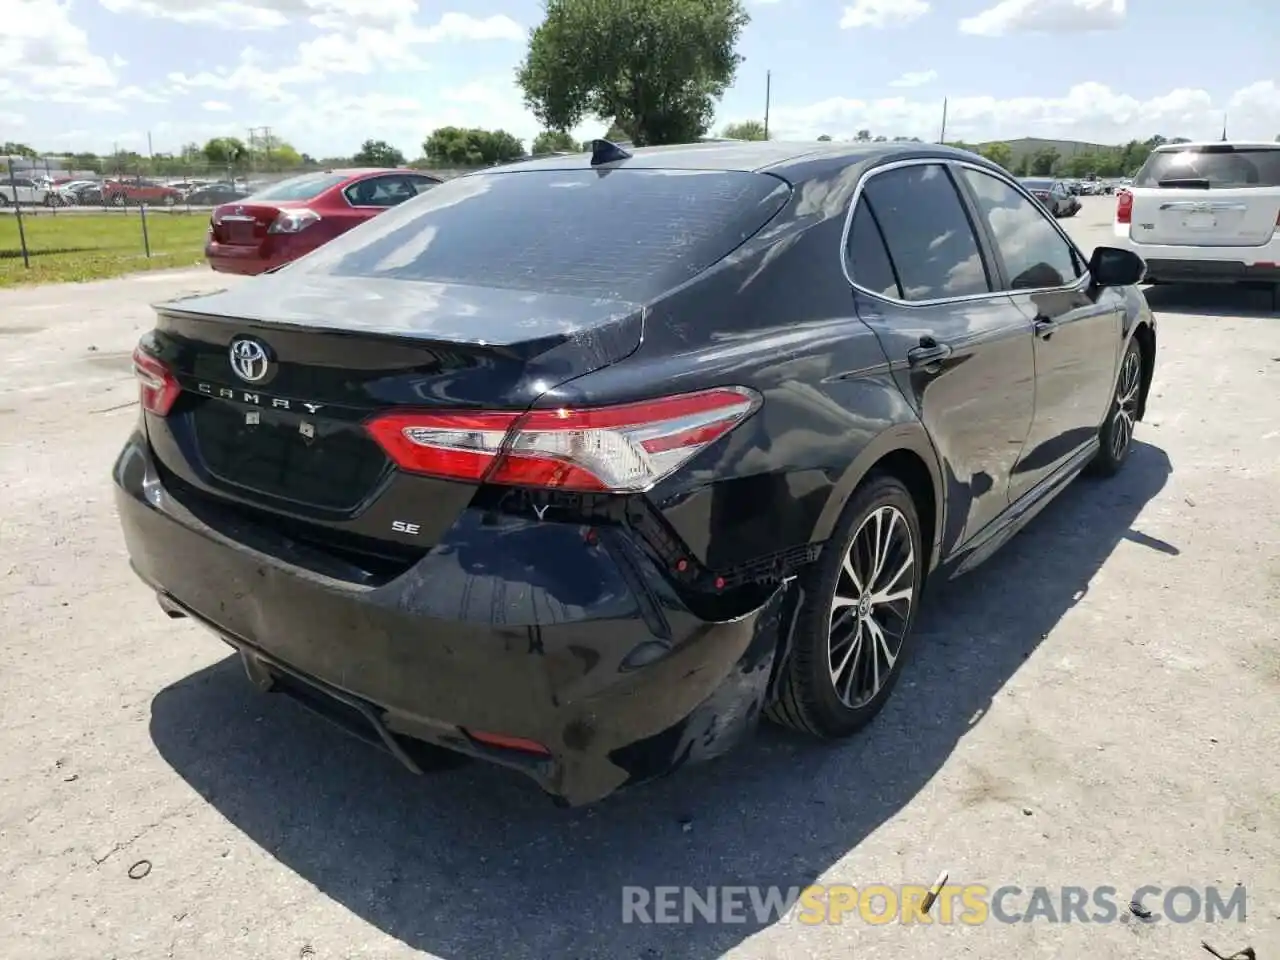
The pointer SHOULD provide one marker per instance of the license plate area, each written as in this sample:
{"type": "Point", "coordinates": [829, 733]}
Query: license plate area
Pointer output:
{"type": "Point", "coordinates": [1199, 221]}
{"type": "Point", "coordinates": [330, 464]}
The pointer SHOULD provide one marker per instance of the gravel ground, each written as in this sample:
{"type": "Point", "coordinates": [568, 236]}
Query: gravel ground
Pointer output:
{"type": "Point", "coordinates": [1097, 705]}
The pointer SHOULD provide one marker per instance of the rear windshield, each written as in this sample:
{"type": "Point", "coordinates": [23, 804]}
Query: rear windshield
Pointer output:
{"type": "Point", "coordinates": [1037, 184]}
{"type": "Point", "coordinates": [1221, 165]}
{"type": "Point", "coordinates": [623, 234]}
{"type": "Point", "coordinates": [305, 187]}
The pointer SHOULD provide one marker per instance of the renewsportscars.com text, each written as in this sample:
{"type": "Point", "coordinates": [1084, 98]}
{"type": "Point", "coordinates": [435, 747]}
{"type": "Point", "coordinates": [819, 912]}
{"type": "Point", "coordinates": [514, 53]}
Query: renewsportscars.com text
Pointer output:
{"type": "Point", "coordinates": [970, 904]}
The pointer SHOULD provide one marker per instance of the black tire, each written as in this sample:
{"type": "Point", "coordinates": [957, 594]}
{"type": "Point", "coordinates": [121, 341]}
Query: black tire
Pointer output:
{"type": "Point", "coordinates": [1115, 436]}
{"type": "Point", "coordinates": [807, 699]}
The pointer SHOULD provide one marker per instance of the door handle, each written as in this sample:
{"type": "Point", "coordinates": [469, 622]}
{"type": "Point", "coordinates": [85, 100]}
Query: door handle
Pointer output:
{"type": "Point", "coordinates": [929, 355]}
{"type": "Point", "coordinates": [1044, 327]}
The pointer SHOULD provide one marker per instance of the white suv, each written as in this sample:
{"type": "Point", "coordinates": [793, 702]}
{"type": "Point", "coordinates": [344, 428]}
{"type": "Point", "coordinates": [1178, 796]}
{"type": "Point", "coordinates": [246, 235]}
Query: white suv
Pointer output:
{"type": "Point", "coordinates": [1206, 213]}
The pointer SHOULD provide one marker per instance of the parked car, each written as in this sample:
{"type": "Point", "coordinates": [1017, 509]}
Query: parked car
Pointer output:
{"type": "Point", "coordinates": [1054, 195]}
{"type": "Point", "coordinates": [134, 191]}
{"type": "Point", "coordinates": [213, 194]}
{"type": "Point", "coordinates": [1206, 213]}
{"type": "Point", "coordinates": [580, 465]}
{"type": "Point", "coordinates": [24, 190]}
{"type": "Point", "coordinates": [281, 222]}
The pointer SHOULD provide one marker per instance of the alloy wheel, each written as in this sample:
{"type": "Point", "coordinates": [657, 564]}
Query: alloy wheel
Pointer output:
{"type": "Point", "coordinates": [1126, 404]}
{"type": "Point", "coordinates": [871, 607]}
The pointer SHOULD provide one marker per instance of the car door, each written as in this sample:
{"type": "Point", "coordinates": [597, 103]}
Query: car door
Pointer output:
{"type": "Point", "coordinates": [25, 190]}
{"type": "Point", "coordinates": [1078, 329]}
{"type": "Point", "coordinates": [961, 351]}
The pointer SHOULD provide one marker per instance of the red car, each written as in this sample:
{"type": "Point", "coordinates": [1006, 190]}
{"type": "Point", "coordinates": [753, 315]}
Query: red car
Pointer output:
{"type": "Point", "coordinates": [288, 219]}
{"type": "Point", "coordinates": [128, 191]}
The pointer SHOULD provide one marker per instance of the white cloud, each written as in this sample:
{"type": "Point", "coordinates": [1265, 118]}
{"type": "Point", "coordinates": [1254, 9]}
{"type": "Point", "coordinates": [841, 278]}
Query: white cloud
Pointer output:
{"type": "Point", "coordinates": [918, 78]}
{"type": "Point", "coordinates": [391, 18]}
{"type": "Point", "coordinates": [226, 14]}
{"type": "Point", "coordinates": [1090, 112]}
{"type": "Point", "coordinates": [363, 50]}
{"type": "Point", "coordinates": [882, 13]}
{"type": "Point", "coordinates": [1045, 16]}
{"type": "Point", "coordinates": [44, 56]}
{"type": "Point", "coordinates": [216, 106]}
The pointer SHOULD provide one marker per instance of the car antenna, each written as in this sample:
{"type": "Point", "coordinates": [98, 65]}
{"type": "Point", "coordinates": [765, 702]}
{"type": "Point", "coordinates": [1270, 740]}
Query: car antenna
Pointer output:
{"type": "Point", "coordinates": [606, 151]}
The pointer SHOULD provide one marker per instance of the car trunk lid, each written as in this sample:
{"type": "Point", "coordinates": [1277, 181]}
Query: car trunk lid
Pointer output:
{"type": "Point", "coordinates": [1222, 195]}
{"type": "Point", "coordinates": [245, 223]}
{"type": "Point", "coordinates": [280, 424]}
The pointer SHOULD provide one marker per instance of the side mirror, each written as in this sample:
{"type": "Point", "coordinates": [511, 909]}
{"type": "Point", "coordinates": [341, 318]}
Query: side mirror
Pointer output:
{"type": "Point", "coordinates": [1116, 267]}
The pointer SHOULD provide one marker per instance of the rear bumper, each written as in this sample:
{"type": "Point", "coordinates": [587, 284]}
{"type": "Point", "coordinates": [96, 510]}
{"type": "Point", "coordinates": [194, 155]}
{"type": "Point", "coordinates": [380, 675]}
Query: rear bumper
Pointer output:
{"type": "Point", "coordinates": [1204, 264]}
{"type": "Point", "coordinates": [248, 260]}
{"type": "Point", "coordinates": [589, 655]}
{"type": "Point", "coordinates": [1211, 271]}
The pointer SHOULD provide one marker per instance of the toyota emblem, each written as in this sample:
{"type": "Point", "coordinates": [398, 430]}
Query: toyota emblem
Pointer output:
{"type": "Point", "coordinates": [250, 360]}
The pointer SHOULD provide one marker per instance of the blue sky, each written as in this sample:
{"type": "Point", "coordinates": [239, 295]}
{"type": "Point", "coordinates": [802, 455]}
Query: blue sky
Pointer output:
{"type": "Point", "coordinates": [326, 74]}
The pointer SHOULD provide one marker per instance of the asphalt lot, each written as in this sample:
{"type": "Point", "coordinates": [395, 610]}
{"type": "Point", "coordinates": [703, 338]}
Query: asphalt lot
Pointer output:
{"type": "Point", "coordinates": [1097, 705]}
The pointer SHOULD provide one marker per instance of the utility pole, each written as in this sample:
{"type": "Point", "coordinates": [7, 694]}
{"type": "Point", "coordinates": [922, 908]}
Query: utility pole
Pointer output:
{"type": "Point", "coordinates": [768, 90]}
{"type": "Point", "coordinates": [942, 136]}
{"type": "Point", "coordinates": [260, 138]}
{"type": "Point", "coordinates": [150, 153]}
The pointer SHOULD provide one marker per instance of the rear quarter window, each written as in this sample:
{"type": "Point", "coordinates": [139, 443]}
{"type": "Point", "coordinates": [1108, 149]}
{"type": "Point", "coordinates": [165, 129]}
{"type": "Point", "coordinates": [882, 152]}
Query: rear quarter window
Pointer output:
{"type": "Point", "coordinates": [618, 234]}
{"type": "Point", "coordinates": [1222, 166]}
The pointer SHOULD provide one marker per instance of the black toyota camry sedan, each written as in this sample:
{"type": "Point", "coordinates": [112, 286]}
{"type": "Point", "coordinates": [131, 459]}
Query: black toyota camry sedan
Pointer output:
{"type": "Point", "coordinates": [583, 465]}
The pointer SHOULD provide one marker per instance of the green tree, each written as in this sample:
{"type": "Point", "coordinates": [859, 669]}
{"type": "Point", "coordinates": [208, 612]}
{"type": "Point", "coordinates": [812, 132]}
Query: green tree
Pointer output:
{"type": "Point", "coordinates": [655, 67]}
{"type": "Point", "coordinates": [471, 147]}
{"type": "Point", "coordinates": [378, 153]}
{"type": "Point", "coordinates": [90, 162]}
{"type": "Point", "coordinates": [825, 138]}
{"type": "Point", "coordinates": [276, 155]}
{"type": "Point", "coordinates": [225, 151]}
{"type": "Point", "coordinates": [553, 141]}
{"type": "Point", "coordinates": [863, 136]}
{"type": "Point", "coordinates": [1043, 162]}
{"type": "Point", "coordinates": [746, 130]}
{"type": "Point", "coordinates": [11, 149]}
{"type": "Point", "coordinates": [998, 152]}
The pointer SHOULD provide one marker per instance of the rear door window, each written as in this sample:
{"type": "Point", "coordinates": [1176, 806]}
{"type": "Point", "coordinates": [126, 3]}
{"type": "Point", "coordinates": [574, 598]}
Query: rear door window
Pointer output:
{"type": "Point", "coordinates": [928, 233]}
{"type": "Point", "coordinates": [1034, 253]}
{"type": "Point", "coordinates": [385, 191]}
{"type": "Point", "coordinates": [869, 263]}
{"type": "Point", "coordinates": [620, 234]}
{"type": "Point", "coordinates": [1212, 165]}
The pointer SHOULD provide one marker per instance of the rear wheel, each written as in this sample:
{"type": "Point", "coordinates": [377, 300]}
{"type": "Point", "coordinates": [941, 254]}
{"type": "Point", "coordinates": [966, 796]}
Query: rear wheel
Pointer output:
{"type": "Point", "coordinates": [1115, 436]}
{"type": "Point", "coordinates": [855, 620]}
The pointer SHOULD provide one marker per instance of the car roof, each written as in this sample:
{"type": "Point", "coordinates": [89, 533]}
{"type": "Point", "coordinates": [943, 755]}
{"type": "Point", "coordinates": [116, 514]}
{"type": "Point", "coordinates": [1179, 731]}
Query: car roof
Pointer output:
{"type": "Point", "coordinates": [748, 156]}
{"type": "Point", "coordinates": [1196, 144]}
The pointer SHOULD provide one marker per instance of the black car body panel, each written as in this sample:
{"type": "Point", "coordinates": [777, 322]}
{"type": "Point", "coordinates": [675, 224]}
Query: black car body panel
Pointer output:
{"type": "Point", "coordinates": [619, 634]}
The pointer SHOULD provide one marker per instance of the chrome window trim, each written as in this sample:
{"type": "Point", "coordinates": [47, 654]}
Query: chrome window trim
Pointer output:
{"type": "Point", "coordinates": [1080, 283]}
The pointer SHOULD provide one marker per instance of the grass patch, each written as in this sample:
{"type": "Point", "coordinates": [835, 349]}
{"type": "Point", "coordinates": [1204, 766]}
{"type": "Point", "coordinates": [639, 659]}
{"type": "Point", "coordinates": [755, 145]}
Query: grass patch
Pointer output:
{"type": "Point", "coordinates": [95, 246]}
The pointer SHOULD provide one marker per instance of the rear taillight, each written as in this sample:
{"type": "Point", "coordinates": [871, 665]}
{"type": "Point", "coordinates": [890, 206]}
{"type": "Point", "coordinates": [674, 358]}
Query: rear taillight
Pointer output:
{"type": "Point", "coordinates": [1124, 207]}
{"type": "Point", "coordinates": [625, 448]}
{"type": "Point", "coordinates": [293, 221]}
{"type": "Point", "coordinates": [158, 389]}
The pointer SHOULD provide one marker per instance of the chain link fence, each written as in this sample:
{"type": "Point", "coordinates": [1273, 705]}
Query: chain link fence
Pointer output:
{"type": "Point", "coordinates": [68, 216]}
